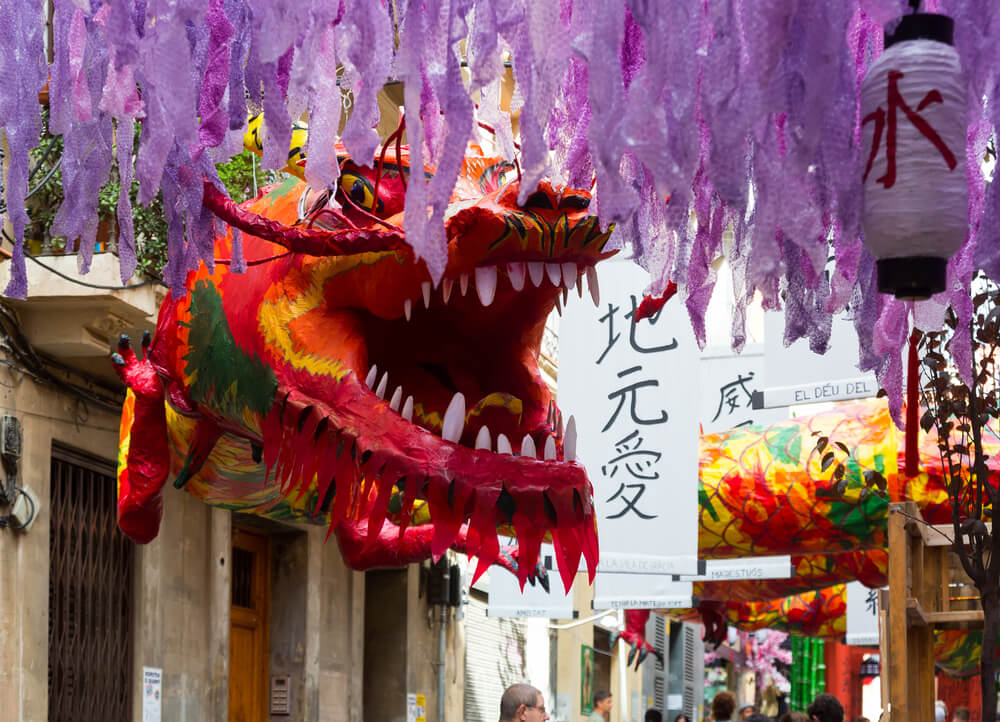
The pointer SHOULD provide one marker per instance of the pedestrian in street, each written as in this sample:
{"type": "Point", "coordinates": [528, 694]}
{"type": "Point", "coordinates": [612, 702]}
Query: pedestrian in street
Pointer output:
{"type": "Point", "coordinates": [825, 708]}
{"type": "Point", "coordinates": [653, 715]}
{"type": "Point", "coordinates": [940, 711]}
{"type": "Point", "coordinates": [602, 706]}
{"type": "Point", "coordinates": [961, 714]}
{"type": "Point", "coordinates": [723, 706]}
{"type": "Point", "coordinates": [747, 710]}
{"type": "Point", "coordinates": [522, 703]}
{"type": "Point", "coordinates": [681, 718]}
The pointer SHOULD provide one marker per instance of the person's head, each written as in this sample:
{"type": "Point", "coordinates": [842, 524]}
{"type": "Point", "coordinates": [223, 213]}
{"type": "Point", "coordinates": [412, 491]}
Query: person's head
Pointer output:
{"type": "Point", "coordinates": [602, 701]}
{"type": "Point", "coordinates": [746, 710]}
{"type": "Point", "coordinates": [825, 708]}
{"type": "Point", "coordinates": [522, 703]}
{"type": "Point", "coordinates": [794, 717]}
{"type": "Point", "coordinates": [961, 714]}
{"type": "Point", "coordinates": [940, 711]}
{"type": "Point", "coordinates": [652, 715]}
{"type": "Point", "coordinates": [859, 718]}
{"type": "Point", "coordinates": [681, 718]}
{"type": "Point", "coordinates": [723, 705]}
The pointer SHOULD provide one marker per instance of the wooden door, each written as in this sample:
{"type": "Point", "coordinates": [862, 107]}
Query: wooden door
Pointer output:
{"type": "Point", "coordinates": [248, 628]}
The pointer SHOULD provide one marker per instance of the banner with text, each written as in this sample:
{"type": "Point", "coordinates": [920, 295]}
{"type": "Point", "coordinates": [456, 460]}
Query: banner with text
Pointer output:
{"type": "Point", "coordinates": [730, 570]}
{"type": "Point", "coordinates": [633, 389]}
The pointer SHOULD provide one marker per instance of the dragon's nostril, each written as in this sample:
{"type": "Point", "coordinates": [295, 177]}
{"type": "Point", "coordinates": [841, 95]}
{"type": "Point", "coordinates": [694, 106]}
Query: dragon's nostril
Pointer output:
{"type": "Point", "coordinates": [539, 199]}
{"type": "Point", "coordinates": [574, 203]}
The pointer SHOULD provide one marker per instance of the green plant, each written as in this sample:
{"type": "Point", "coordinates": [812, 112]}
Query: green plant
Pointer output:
{"type": "Point", "coordinates": [241, 176]}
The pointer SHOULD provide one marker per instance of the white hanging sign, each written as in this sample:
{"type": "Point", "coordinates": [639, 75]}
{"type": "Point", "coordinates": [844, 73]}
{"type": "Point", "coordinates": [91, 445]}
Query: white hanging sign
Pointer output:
{"type": "Point", "coordinates": [641, 591]}
{"type": "Point", "coordinates": [730, 570]}
{"type": "Point", "coordinates": [862, 615]}
{"type": "Point", "coordinates": [729, 383]}
{"type": "Point", "coordinates": [859, 387]}
{"type": "Point", "coordinates": [633, 389]}
{"type": "Point", "coordinates": [507, 600]}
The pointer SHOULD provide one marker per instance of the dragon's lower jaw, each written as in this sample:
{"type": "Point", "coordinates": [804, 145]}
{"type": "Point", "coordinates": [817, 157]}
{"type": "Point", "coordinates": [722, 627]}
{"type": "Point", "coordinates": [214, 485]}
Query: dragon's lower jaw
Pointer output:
{"type": "Point", "coordinates": [359, 453]}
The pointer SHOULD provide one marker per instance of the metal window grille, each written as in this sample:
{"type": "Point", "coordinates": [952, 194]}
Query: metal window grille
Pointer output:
{"type": "Point", "coordinates": [90, 594]}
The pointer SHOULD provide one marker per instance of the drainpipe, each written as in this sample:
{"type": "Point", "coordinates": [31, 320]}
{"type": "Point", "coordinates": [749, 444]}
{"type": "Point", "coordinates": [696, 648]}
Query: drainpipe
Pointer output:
{"type": "Point", "coordinates": [442, 634]}
{"type": "Point", "coordinates": [623, 695]}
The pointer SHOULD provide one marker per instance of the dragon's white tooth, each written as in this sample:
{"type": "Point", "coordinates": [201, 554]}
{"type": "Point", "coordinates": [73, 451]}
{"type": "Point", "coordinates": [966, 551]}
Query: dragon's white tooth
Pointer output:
{"type": "Point", "coordinates": [407, 412]}
{"type": "Point", "coordinates": [425, 289]}
{"type": "Point", "coordinates": [454, 419]}
{"type": "Point", "coordinates": [486, 283]}
{"type": "Point", "coordinates": [397, 396]}
{"type": "Point", "coordinates": [515, 272]}
{"type": "Point", "coordinates": [483, 438]}
{"type": "Point", "coordinates": [380, 391]}
{"type": "Point", "coordinates": [595, 291]}
{"type": "Point", "coordinates": [536, 269]}
{"type": "Point", "coordinates": [407, 308]}
{"type": "Point", "coordinates": [463, 283]}
{"type": "Point", "coordinates": [503, 445]}
{"type": "Point", "coordinates": [554, 272]}
{"type": "Point", "coordinates": [372, 375]}
{"type": "Point", "coordinates": [446, 286]}
{"type": "Point", "coordinates": [550, 448]}
{"type": "Point", "coordinates": [569, 273]}
{"type": "Point", "coordinates": [528, 447]}
{"type": "Point", "coordinates": [569, 441]}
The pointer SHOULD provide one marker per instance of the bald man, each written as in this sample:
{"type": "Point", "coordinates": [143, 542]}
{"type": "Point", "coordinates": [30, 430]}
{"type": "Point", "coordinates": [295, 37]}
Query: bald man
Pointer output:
{"type": "Point", "coordinates": [522, 703]}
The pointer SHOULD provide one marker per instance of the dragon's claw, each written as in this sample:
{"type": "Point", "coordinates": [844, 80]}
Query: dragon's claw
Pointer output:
{"type": "Point", "coordinates": [124, 341]}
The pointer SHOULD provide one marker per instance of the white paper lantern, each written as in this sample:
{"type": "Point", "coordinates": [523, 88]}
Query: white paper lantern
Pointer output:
{"type": "Point", "coordinates": [914, 125]}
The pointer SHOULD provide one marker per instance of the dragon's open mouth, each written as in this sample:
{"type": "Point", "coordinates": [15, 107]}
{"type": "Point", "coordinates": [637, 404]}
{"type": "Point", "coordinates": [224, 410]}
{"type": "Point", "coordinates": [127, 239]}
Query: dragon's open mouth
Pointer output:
{"type": "Point", "coordinates": [460, 360]}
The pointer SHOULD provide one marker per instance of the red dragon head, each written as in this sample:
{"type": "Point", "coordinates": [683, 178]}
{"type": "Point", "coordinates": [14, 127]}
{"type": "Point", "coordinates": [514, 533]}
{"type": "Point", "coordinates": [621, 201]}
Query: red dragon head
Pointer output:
{"type": "Point", "coordinates": [334, 382]}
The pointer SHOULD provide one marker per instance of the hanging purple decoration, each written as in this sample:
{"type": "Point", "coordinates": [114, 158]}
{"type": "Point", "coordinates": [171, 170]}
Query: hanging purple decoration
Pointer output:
{"type": "Point", "coordinates": [693, 119]}
{"type": "Point", "coordinates": [913, 119]}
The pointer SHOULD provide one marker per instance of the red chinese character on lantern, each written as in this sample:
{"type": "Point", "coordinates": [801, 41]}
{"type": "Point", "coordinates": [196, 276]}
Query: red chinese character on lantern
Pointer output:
{"type": "Point", "coordinates": [879, 116]}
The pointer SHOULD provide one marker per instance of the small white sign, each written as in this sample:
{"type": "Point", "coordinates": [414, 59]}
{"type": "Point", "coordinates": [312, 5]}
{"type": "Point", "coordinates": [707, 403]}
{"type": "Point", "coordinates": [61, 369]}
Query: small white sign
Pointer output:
{"type": "Point", "coordinates": [641, 591]}
{"type": "Point", "coordinates": [860, 387]}
{"type": "Point", "coordinates": [862, 615]}
{"type": "Point", "coordinates": [152, 694]}
{"type": "Point", "coordinates": [728, 570]}
{"type": "Point", "coordinates": [507, 600]}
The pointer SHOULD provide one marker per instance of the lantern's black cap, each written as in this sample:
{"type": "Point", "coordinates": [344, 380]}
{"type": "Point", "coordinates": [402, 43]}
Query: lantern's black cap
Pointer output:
{"type": "Point", "coordinates": [923, 26]}
{"type": "Point", "coordinates": [913, 278]}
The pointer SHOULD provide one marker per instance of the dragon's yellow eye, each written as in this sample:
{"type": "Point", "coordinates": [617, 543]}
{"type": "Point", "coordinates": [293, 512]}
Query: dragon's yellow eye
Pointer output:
{"type": "Point", "coordinates": [359, 190]}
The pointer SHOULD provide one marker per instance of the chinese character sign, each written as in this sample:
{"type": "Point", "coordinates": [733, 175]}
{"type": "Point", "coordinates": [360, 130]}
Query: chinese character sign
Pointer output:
{"type": "Point", "coordinates": [727, 386]}
{"type": "Point", "coordinates": [862, 614]}
{"type": "Point", "coordinates": [633, 389]}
